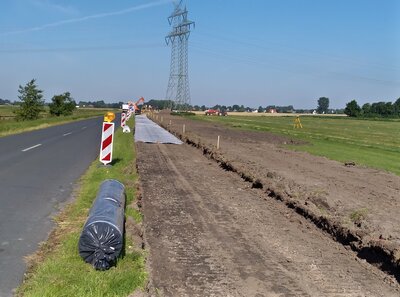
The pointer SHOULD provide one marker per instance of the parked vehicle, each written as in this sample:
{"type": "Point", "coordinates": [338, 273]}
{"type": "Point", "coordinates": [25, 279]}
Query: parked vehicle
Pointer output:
{"type": "Point", "coordinates": [216, 112]}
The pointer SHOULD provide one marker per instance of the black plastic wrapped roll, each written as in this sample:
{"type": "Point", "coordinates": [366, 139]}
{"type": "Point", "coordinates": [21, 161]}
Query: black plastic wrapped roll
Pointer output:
{"type": "Point", "coordinates": [102, 236]}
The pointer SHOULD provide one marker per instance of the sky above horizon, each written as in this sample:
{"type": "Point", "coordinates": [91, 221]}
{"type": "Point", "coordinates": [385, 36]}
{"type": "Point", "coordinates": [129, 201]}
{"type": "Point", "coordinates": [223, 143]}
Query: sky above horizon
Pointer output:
{"type": "Point", "coordinates": [256, 52]}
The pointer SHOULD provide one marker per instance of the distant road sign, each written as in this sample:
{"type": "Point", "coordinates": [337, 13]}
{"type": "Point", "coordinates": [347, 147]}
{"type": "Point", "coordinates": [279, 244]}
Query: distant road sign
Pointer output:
{"type": "Point", "coordinates": [106, 147]}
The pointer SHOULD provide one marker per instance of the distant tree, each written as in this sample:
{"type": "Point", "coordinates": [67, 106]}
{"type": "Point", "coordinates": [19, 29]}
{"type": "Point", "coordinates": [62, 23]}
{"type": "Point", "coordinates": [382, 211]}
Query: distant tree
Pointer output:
{"type": "Point", "coordinates": [4, 101]}
{"type": "Point", "coordinates": [352, 109]}
{"type": "Point", "coordinates": [218, 107]}
{"type": "Point", "coordinates": [396, 107]}
{"type": "Point", "coordinates": [62, 105]}
{"type": "Point", "coordinates": [160, 104]}
{"type": "Point", "coordinates": [32, 102]}
{"type": "Point", "coordinates": [260, 109]}
{"type": "Point", "coordinates": [366, 109]}
{"type": "Point", "coordinates": [235, 107]}
{"type": "Point", "coordinates": [323, 105]}
{"type": "Point", "coordinates": [383, 109]}
{"type": "Point", "coordinates": [203, 108]}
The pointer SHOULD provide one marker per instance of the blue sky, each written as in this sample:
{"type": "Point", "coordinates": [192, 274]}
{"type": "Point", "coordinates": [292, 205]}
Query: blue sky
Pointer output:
{"type": "Point", "coordinates": [255, 52]}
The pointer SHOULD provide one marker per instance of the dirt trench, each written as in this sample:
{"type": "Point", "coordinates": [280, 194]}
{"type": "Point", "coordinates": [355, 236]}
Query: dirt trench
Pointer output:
{"type": "Point", "coordinates": [210, 233]}
{"type": "Point", "coordinates": [358, 206]}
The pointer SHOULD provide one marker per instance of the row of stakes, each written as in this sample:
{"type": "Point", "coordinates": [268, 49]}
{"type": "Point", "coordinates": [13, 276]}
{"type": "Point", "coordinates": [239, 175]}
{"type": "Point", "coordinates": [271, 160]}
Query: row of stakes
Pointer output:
{"type": "Point", "coordinates": [184, 129]}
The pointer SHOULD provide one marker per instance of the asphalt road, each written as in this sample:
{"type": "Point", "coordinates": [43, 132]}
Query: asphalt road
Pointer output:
{"type": "Point", "coordinates": [38, 171]}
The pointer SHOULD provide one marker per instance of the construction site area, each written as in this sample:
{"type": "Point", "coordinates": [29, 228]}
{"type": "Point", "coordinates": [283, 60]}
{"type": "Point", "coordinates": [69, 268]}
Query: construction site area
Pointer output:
{"type": "Point", "coordinates": [247, 217]}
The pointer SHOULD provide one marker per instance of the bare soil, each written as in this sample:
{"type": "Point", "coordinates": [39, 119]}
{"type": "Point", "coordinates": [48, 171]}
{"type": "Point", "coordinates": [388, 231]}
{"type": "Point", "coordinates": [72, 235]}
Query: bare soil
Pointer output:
{"type": "Point", "coordinates": [359, 206]}
{"type": "Point", "coordinates": [214, 232]}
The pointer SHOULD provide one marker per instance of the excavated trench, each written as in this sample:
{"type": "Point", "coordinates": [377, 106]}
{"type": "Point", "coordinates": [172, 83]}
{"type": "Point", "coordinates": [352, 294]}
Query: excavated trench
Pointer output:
{"type": "Point", "coordinates": [376, 255]}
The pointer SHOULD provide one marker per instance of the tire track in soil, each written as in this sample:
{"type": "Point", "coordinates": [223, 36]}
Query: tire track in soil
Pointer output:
{"type": "Point", "coordinates": [210, 234]}
{"type": "Point", "coordinates": [324, 191]}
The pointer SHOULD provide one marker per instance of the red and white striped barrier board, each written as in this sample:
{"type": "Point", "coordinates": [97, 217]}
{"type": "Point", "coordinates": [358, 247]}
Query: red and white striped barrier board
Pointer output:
{"type": "Point", "coordinates": [106, 147]}
{"type": "Point", "coordinates": [123, 119]}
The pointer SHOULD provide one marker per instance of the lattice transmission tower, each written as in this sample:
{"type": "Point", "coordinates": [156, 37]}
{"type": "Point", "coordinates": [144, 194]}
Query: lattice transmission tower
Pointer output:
{"type": "Point", "coordinates": [178, 84]}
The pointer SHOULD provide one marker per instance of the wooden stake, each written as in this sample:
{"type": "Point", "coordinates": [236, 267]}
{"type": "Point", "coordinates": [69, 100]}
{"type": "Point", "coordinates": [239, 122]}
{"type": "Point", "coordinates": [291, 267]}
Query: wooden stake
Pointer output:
{"type": "Point", "coordinates": [170, 122]}
{"type": "Point", "coordinates": [161, 119]}
{"type": "Point", "coordinates": [218, 142]}
{"type": "Point", "coordinates": [184, 128]}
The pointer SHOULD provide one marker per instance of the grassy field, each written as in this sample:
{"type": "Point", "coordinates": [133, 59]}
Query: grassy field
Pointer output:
{"type": "Point", "coordinates": [371, 143]}
{"type": "Point", "coordinates": [8, 125]}
{"type": "Point", "coordinates": [58, 270]}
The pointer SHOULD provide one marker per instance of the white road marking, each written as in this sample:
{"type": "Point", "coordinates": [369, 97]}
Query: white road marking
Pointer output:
{"type": "Point", "coordinates": [83, 128]}
{"type": "Point", "coordinates": [32, 147]}
{"type": "Point", "coordinates": [67, 133]}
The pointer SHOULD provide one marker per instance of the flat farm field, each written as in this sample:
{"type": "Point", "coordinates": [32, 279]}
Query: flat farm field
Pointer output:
{"type": "Point", "coordinates": [372, 143]}
{"type": "Point", "coordinates": [8, 124]}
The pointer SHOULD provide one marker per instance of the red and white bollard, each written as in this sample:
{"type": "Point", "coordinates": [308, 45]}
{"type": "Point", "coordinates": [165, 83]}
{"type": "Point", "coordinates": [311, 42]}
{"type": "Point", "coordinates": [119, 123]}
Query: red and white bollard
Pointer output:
{"type": "Point", "coordinates": [123, 119]}
{"type": "Point", "coordinates": [106, 147]}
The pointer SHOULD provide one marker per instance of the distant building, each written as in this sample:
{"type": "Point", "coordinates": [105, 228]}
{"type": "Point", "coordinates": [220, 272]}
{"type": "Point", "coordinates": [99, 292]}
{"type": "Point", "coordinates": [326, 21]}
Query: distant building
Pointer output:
{"type": "Point", "coordinates": [272, 110]}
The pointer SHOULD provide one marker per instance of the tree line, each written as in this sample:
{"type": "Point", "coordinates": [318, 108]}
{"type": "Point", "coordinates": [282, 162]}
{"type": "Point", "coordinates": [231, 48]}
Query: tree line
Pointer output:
{"type": "Point", "coordinates": [322, 107]}
{"type": "Point", "coordinates": [32, 104]}
{"type": "Point", "coordinates": [376, 109]}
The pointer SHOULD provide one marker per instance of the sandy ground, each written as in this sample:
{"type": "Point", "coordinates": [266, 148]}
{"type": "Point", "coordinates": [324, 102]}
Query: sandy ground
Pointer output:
{"type": "Point", "coordinates": [210, 233]}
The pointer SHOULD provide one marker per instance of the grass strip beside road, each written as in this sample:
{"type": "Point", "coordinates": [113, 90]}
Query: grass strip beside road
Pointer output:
{"type": "Point", "coordinates": [370, 143]}
{"type": "Point", "coordinates": [11, 126]}
{"type": "Point", "coordinates": [58, 270]}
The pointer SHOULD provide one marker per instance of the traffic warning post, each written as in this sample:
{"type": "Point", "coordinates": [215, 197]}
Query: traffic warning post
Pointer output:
{"type": "Point", "coordinates": [106, 147]}
{"type": "Point", "coordinates": [123, 119]}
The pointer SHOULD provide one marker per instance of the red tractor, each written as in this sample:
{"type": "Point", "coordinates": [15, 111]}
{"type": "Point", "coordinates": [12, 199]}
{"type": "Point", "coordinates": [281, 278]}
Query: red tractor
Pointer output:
{"type": "Point", "coordinates": [216, 112]}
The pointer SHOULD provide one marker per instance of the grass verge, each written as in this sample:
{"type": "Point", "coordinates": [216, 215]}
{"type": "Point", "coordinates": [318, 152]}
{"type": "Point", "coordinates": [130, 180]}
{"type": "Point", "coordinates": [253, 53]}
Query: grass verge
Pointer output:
{"type": "Point", "coordinates": [370, 143]}
{"type": "Point", "coordinates": [11, 126]}
{"type": "Point", "coordinates": [57, 269]}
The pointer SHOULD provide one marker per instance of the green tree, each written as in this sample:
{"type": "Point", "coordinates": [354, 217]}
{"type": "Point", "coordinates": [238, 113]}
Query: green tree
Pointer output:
{"type": "Point", "coordinates": [235, 107]}
{"type": "Point", "coordinates": [62, 104]}
{"type": "Point", "coordinates": [32, 102]}
{"type": "Point", "coordinates": [352, 109]}
{"type": "Point", "coordinates": [323, 105]}
{"type": "Point", "coordinates": [396, 107]}
{"type": "Point", "coordinates": [366, 109]}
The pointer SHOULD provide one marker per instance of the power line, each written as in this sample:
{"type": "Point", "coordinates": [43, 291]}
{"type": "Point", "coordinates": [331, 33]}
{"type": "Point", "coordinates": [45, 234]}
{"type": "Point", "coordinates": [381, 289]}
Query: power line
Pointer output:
{"type": "Point", "coordinates": [82, 48]}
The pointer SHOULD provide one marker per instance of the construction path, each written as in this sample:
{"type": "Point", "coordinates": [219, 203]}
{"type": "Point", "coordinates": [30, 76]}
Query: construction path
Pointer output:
{"type": "Point", "coordinates": [210, 234]}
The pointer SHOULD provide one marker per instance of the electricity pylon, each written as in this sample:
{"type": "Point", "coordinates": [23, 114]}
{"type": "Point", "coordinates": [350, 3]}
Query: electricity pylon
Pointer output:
{"type": "Point", "coordinates": [178, 84]}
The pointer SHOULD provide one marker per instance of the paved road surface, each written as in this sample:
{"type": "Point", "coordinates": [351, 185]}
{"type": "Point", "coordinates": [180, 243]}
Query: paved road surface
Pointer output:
{"type": "Point", "coordinates": [38, 171]}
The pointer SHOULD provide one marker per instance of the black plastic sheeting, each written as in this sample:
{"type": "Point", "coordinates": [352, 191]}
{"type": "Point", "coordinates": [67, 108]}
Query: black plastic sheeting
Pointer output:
{"type": "Point", "coordinates": [102, 236]}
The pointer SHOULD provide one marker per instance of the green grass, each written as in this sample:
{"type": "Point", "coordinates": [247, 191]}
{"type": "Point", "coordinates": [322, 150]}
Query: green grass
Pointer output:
{"type": "Point", "coordinates": [370, 143]}
{"type": "Point", "coordinates": [7, 110]}
{"type": "Point", "coordinates": [58, 270]}
{"type": "Point", "coordinates": [10, 126]}
{"type": "Point", "coordinates": [358, 215]}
